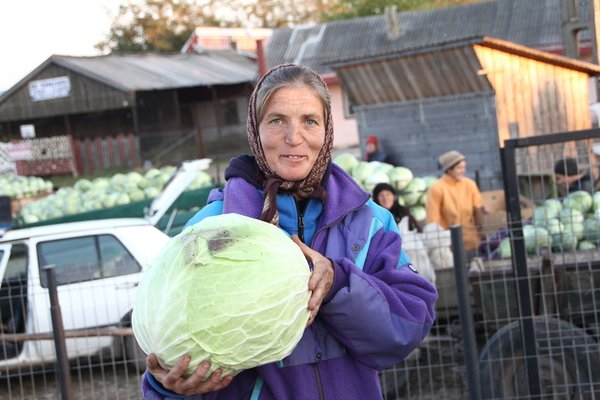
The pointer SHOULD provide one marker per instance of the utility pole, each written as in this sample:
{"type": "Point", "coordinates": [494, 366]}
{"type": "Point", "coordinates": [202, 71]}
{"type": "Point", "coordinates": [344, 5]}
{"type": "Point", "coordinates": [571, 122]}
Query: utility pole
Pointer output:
{"type": "Point", "coordinates": [595, 28]}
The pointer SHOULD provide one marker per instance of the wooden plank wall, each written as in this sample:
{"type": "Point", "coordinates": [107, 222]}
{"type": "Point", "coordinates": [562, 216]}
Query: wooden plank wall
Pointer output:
{"type": "Point", "coordinates": [535, 98]}
{"type": "Point", "coordinates": [417, 132]}
{"type": "Point", "coordinates": [87, 95]}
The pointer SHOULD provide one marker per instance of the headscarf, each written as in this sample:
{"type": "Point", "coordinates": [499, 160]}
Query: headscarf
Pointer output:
{"type": "Point", "coordinates": [311, 186]}
{"type": "Point", "coordinates": [398, 211]}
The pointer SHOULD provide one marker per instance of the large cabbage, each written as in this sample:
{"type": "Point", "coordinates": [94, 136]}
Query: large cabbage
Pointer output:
{"type": "Point", "coordinates": [230, 289]}
{"type": "Point", "coordinates": [400, 177]}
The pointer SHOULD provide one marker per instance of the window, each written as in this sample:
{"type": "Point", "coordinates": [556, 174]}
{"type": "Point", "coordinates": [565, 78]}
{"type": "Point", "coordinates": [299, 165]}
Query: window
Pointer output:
{"type": "Point", "coordinates": [228, 113]}
{"type": "Point", "coordinates": [85, 258]}
{"type": "Point", "coordinates": [16, 268]}
{"type": "Point", "coordinates": [348, 106]}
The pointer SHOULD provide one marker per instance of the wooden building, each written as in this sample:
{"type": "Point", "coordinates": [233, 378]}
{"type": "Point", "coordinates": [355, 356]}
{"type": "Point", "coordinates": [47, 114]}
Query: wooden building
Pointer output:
{"type": "Point", "coordinates": [468, 95]}
{"type": "Point", "coordinates": [563, 27]}
{"type": "Point", "coordinates": [179, 106]}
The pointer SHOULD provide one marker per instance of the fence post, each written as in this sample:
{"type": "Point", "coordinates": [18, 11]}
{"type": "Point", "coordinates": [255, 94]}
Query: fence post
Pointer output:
{"type": "Point", "coordinates": [515, 226]}
{"type": "Point", "coordinates": [62, 361]}
{"type": "Point", "coordinates": [465, 312]}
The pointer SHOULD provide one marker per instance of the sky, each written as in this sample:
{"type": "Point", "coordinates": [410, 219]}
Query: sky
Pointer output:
{"type": "Point", "coordinates": [33, 30]}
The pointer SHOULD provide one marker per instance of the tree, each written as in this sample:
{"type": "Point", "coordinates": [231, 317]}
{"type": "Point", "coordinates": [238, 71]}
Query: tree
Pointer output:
{"type": "Point", "coordinates": [335, 10]}
{"type": "Point", "coordinates": [165, 25]}
{"type": "Point", "coordinates": [155, 25]}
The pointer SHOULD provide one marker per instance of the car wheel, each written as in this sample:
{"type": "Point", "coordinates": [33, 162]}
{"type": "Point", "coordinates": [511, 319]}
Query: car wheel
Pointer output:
{"type": "Point", "coordinates": [567, 359]}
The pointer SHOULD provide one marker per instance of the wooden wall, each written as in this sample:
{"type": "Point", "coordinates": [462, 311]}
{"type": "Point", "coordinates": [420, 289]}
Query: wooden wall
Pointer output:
{"type": "Point", "coordinates": [542, 98]}
{"type": "Point", "coordinates": [535, 98]}
{"type": "Point", "coordinates": [86, 96]}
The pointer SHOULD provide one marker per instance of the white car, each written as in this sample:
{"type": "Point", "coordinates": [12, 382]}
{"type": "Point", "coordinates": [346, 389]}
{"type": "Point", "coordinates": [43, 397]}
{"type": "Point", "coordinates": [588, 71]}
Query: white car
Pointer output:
{"type": "Point", "coordinates": [98, 265]}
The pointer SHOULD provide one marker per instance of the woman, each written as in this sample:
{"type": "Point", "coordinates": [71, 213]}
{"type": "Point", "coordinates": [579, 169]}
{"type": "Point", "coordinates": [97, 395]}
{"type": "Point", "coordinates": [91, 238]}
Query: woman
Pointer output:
{"type": "Point", "coordinates": [384, 194]}
{"type": "Point", "coordinates": [455, 199]}
{"type": "Point", "coordinates": [368, 309]}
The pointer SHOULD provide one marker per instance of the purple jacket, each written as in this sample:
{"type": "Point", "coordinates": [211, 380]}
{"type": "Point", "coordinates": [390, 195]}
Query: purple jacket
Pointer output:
{"type": "Point", "coordinates": [376, 313]}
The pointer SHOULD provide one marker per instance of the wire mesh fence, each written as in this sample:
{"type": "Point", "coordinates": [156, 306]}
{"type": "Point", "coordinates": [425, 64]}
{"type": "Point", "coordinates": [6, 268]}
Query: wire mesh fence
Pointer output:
{"type": "Point", "coordinates": [532, 292]}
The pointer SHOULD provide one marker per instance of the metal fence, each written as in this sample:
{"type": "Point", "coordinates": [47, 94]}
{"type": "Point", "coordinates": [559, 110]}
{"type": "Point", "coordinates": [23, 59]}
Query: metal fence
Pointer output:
{"type": "Point", "coordinates": [518, 321]}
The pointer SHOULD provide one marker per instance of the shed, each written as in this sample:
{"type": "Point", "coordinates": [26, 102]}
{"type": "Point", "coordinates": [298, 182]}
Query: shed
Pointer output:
{"type": "Point", "coordinates": [469, 95]}
{"type": "Point", "coordinates": [550, 25]}
{"type": "Point", "coordinates": [188, 103]}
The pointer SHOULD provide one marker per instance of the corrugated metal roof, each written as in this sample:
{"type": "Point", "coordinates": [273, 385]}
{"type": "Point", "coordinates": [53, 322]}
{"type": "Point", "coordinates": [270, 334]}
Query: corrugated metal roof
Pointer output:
{"type": "Point", "coordinates": [148, 71]}
{"type": "Point", "coordinates": [435, 74]}
{"type": "Point", "coordinates": [499, 44]}
{"type": "Point", "coordinates": [136, 72]}
{"type": "Point", "coordinates": [534, 23]}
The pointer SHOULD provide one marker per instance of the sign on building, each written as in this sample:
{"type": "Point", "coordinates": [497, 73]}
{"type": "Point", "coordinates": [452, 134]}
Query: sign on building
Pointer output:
{"type": "Point", "coordinates": [27, 131]}
{"type": "Point", "coordinates": [52, 88]}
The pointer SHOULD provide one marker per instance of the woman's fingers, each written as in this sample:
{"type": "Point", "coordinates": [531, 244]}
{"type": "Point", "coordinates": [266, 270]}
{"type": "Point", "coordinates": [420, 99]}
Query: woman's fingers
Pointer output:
{"type": "Point", "coordinates": [196, 383]}
{"type": "Point", "coordinates": [321, 278]}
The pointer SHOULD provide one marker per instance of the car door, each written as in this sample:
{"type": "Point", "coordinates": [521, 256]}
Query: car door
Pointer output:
{"type": "Point", "coordinates": [96, 278]}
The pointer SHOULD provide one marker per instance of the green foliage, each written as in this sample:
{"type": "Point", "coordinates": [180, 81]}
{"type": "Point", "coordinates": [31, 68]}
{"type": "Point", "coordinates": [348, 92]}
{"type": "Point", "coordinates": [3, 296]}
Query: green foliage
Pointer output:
{"type": "Point", "coordinates": [362, 8]}
{"type": "Point", "coordinates": [154, 25]}
{"type": "Point", "coordinates": [164, 26]}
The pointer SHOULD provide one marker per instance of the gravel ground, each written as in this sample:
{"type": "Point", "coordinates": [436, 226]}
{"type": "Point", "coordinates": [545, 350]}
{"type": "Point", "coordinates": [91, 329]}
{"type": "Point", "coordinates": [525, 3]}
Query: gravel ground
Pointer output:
{"type": "Point", "coordinates": [89, 383]}
{"type": "Point", "coordinates": [432, 373]}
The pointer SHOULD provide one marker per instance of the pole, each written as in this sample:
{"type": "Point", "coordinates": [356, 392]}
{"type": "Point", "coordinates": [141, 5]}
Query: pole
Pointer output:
{"type": "Point", "coordinates": [59, 336]}
{"type": "Point", "coordinates": [465, 313]}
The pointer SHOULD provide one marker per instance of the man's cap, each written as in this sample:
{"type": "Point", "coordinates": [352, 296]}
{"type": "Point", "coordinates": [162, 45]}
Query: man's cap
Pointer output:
{"type": "Point", "coordinates": [450, 159]}
{"type": "Point", "coordinates": [567, 167]}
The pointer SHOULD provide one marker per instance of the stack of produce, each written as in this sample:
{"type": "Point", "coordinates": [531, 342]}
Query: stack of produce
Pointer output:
{"type": "Point", "coordinates": [22, 187]}
{"type": "Point", "coordinates": [105, 192]}
{"type": "Point", "coordinates": [567, 225]}
{"type": "Point", "coordinates": [412, 191]}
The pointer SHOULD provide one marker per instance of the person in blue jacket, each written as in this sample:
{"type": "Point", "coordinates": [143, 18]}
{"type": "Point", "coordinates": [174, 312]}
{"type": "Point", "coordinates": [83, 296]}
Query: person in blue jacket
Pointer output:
{"type": "Point", "coordinates": [368, 309]}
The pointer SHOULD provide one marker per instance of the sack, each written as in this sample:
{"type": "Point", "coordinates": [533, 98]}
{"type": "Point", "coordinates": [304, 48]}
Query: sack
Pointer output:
{"type": "Point", "coordinates": [412, 243]}
{"type": "Point", "coordinates": [435, 236]}
{"type": "Point", "coordinates": [439, 246]}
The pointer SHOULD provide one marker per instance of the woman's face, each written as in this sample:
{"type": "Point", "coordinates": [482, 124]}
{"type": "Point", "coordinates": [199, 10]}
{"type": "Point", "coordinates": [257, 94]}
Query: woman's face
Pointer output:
{"type": "Point", "coordinates": [292, 131]}
{"type": "Point", "coordinates": [386, 199]}
{"type": "Point", "coordinates": [459, 170]}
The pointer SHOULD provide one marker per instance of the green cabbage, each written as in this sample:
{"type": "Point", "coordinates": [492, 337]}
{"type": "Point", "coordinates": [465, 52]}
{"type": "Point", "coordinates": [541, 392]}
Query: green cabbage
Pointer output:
{"type": "Point", "coordinates": [346, 161]}
{"type": "Point", "coordinates": [230, 289]}
{"type": "Point", "coordinates": [400, 177]}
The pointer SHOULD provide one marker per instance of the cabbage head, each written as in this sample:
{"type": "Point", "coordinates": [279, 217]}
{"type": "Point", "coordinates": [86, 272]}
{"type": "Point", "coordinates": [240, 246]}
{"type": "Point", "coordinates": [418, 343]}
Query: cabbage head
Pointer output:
{"type": "Point", "coordinates": [230, 289]}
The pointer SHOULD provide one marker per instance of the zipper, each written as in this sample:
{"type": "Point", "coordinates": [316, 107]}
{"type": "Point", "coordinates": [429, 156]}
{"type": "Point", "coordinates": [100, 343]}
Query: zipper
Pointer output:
{"type": "Point", "coordinates": [301, 225]}
{"type": "Point", "coordinates": [301, 209]}
{"type": "Point", "coordinates": [319, 382]}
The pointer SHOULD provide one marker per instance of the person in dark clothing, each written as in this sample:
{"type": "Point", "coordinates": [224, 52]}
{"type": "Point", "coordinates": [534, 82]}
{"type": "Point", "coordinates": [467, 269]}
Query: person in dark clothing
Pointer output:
{"type": "Point", "coordinates": [373, 151]}
{"type": "Point", "coordinates": [570, 179]}
{"type": "Point", "coordinates": [385, 196]}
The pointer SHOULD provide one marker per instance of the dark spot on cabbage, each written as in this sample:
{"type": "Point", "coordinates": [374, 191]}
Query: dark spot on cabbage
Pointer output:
{"type": "Point", "coordinates": [221, 240]}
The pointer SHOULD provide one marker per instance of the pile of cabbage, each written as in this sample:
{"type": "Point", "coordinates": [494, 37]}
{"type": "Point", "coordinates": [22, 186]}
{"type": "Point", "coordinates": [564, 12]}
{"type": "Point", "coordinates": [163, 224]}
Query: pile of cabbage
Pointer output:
{"type": "Point", "coordinates": [23, 187]}
{"type": "Point", "coordinates": [567, 225]}
{"type": "Point", "coordinates": [105, 192]}
{"type": "Point", "coordinates": [412, 191]}
{"type": "Point", "coordinates": [230, 289]}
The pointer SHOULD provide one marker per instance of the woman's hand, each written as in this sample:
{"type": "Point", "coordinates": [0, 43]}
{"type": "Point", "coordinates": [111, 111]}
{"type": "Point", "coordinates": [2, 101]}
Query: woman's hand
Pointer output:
{"type": "Point", "coordinates": [194, 384]}
{"type": "Point", "coordinates": [321, 279]}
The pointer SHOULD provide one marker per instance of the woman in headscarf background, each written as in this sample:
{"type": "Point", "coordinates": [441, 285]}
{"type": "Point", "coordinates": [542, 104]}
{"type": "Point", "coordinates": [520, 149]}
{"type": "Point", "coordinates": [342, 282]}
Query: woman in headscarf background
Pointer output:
{"type": "Point", "coordinates": [384, 194]}
{"type": "Point", "coordinates": [455, 199]}
{"type": "Point", "coordinates": [368, 308]}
